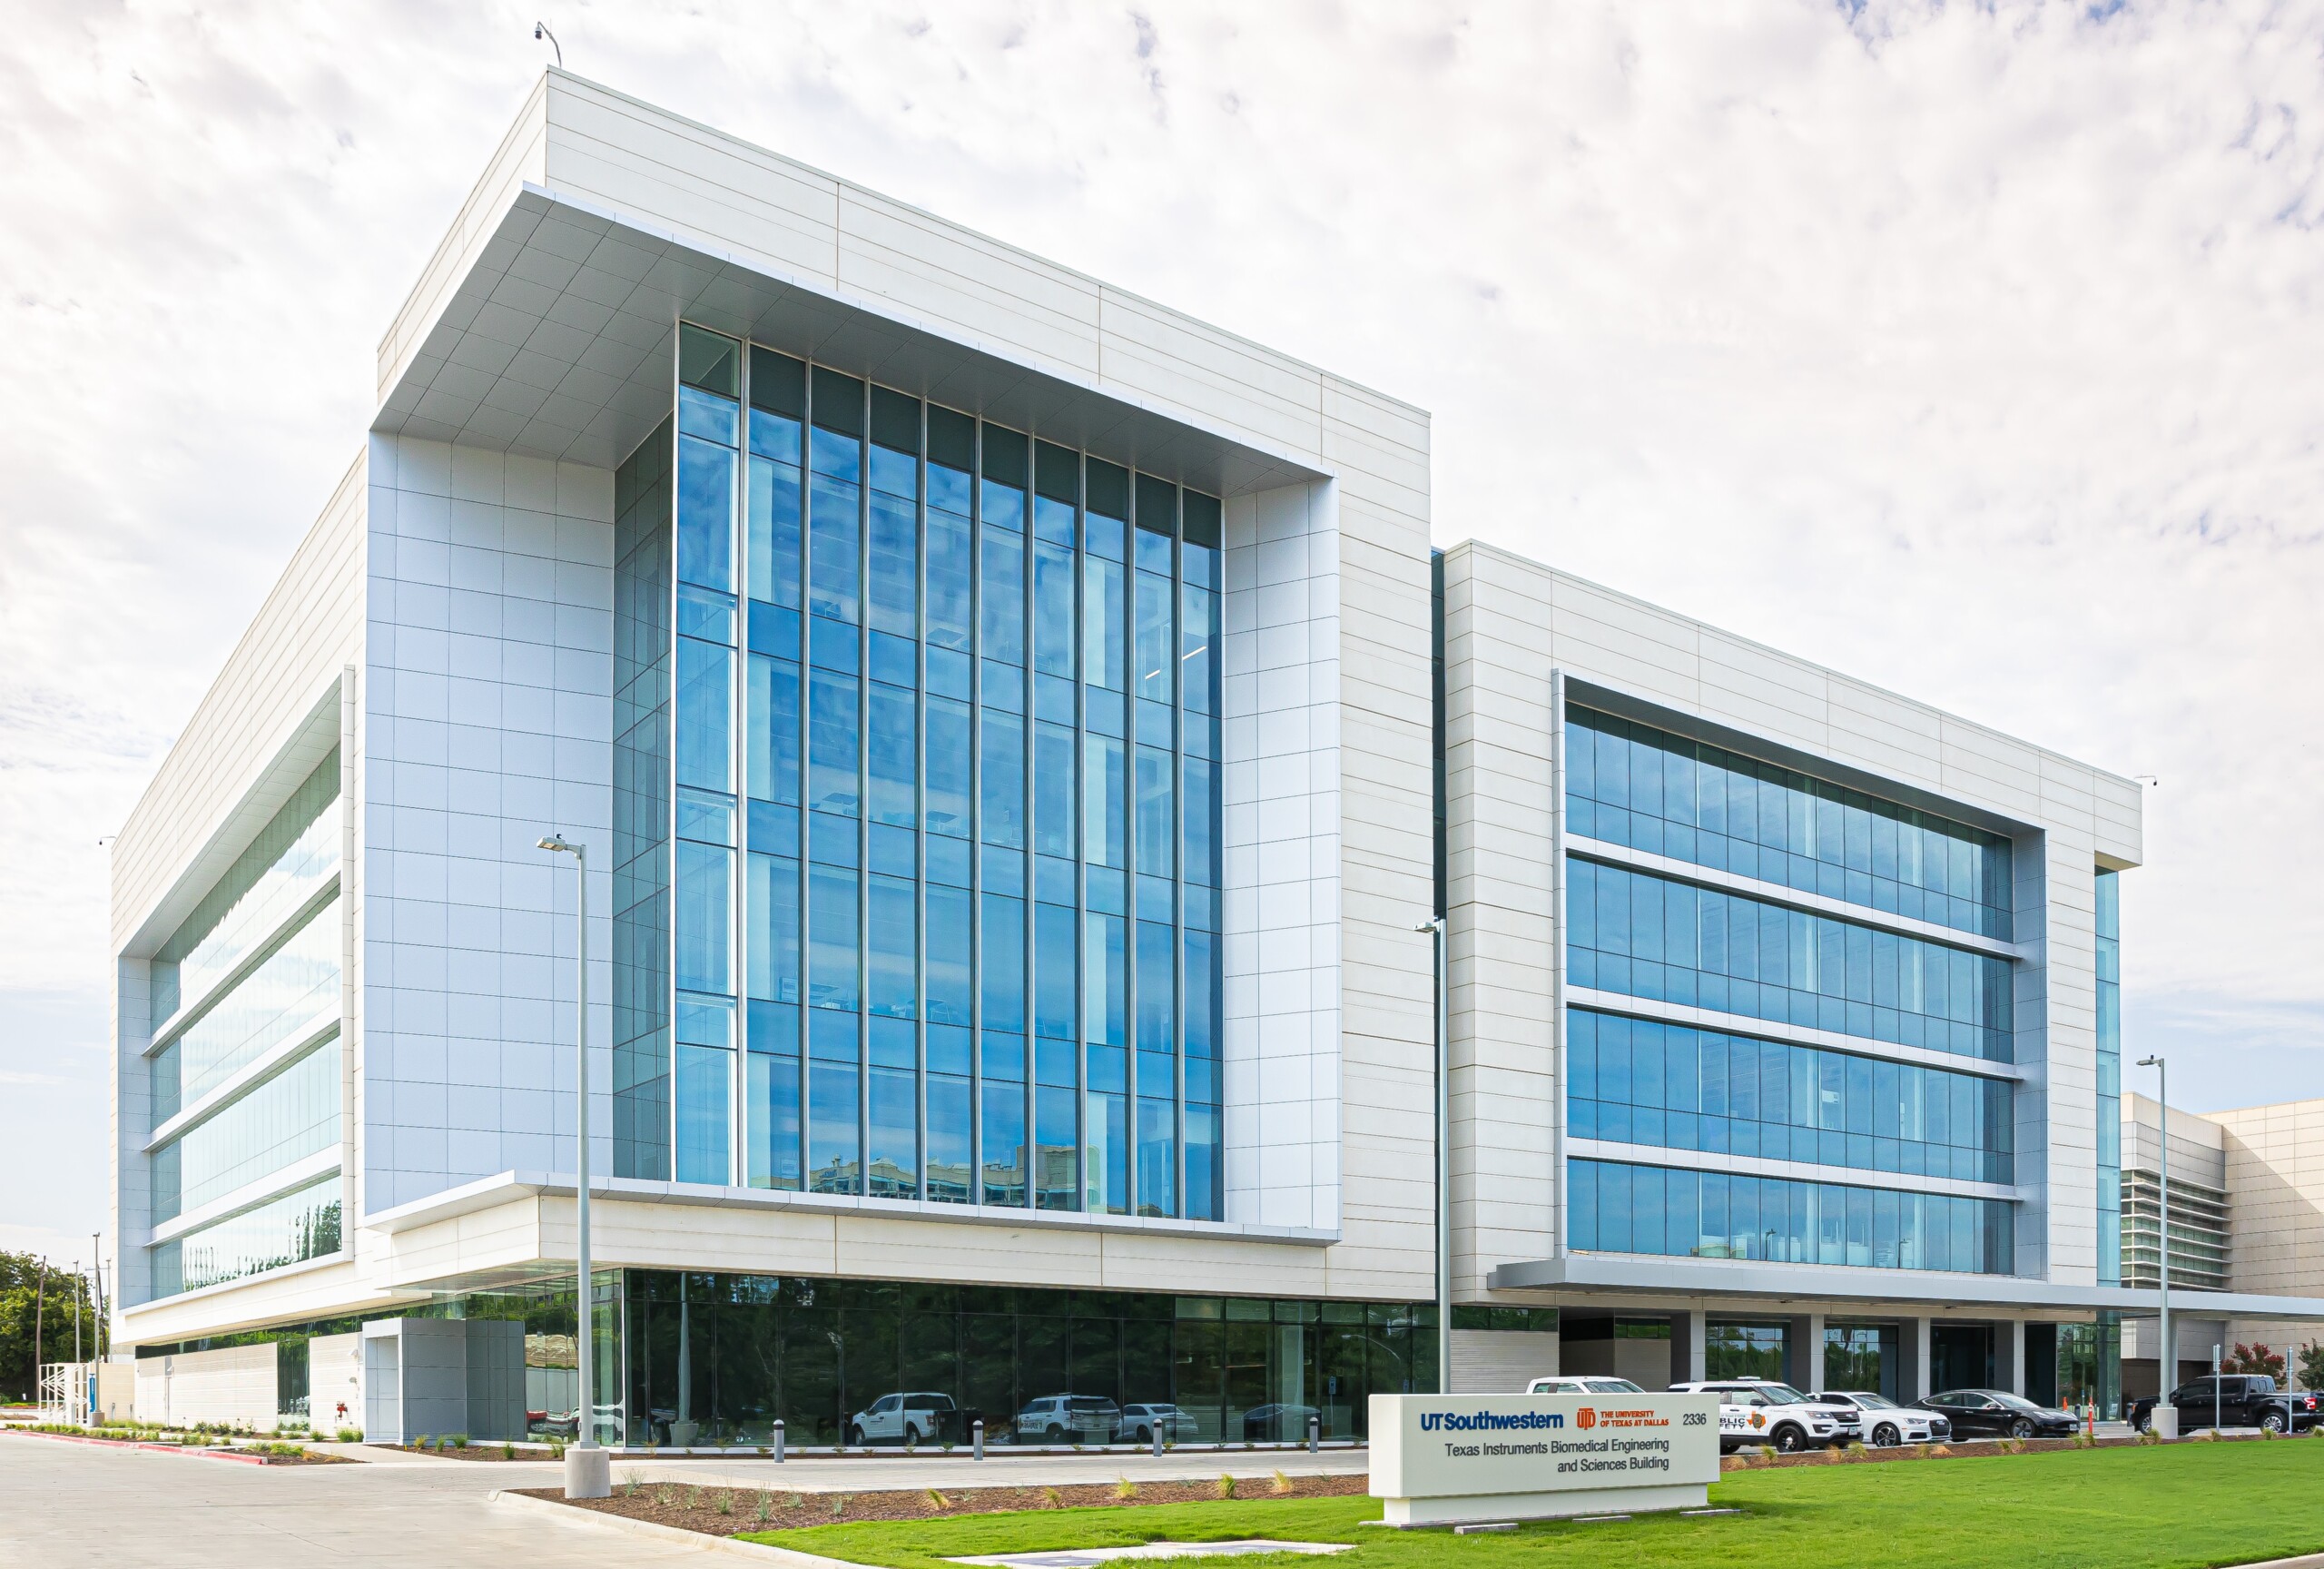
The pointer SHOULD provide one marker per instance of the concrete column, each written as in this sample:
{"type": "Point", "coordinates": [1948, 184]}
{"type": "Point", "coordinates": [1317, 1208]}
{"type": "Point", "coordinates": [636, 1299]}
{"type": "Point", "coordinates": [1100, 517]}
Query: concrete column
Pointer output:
{"type": "Point", "coordinates": [2011, 1332]}
{"type": "Point", "coordinates": [1687, 1348]}
{"type": "Point", "coordinates": [1802, 1352]}
{"type": "Point", "coordinates": [1911, 1360]}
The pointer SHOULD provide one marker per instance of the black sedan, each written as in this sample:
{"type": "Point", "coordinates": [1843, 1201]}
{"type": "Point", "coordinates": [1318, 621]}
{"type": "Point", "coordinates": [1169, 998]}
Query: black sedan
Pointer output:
{"type": "Point", "coordinates": [1996, 1413]}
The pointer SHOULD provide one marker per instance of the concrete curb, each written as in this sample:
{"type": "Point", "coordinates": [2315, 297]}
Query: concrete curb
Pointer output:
{"type": "Point", "coordinates": [676, 1534]}
{"type": "Point", "coordinates": [197, 1451]}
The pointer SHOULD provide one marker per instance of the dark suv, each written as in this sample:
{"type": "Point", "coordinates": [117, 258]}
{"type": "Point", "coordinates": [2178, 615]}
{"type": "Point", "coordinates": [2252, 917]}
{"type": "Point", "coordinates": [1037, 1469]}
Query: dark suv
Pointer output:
{"type": "Point", "coordinates": [2235, 1400]}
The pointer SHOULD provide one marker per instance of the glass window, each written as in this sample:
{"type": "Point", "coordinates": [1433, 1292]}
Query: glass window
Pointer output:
{"type": "Point", "coordinates": [950, 756]}
{"type": "Point", "coordinates": [833, 1115]}
{"type": "Point", "coordinates": [292, 992]}
{"type": "Point", "coordinates": [834, 537]}
{"type": "Point", "coordinates": [833, 778]}
{"type": "Point", "coordinates": [1157, 987]}
{"type": "Point", "coordinates": [1002, 615]}
{"type": "Point", "coordinates": [1003, 769]}
{"type": "Point", "coordinates": [1104, 783]}
{"type": "Point", "coordinates": [296, 1226]}
{"type": "Point", "coordinates": [893, 1168]}
{"type": "Point", "coordinates": [832, 913]}
{"type": "Point", "coordinates": [1104, 653]}
{"type": "Point", "coordinates": [1157, 1157]}
{"type": "Point", "coordinates": [774, 928]}
{"type": "Point", "coordinates": [706, 514]}
{"type": "Point", "coordinates": [893, 746]}
{"type": "Point", "coordinates": [951, 998]}
{"type": "Point", "coordinates": [774, 1092]}
{"type": "Point", "coordinates": [895, 563]}
{"type": "Point", "coordinates": [1155, 654]}
{"type": "Point", "coordinates": [705, 1076]}
{"type": "Point", "coordinates": [1657, 792]}
{"type": "Point", "coordinates": [292, 1115]}
{"type": "Point", "coordinates": [773, 716]}
{"type": "Point", "coordinates": [1003, 931]}
{"type": "Point", "coordinates": [895, 948]}
{"type": "Point", "coordinates": [1004, 1144]}
{"type": "Point", "coordinates": [1156, 833]}
{"type": "Point", "coordinates": [705, 714]}
{"type": "Point", "coordinates": [705, 903]}
{"type": "Point", "coordinates": [1054, 806]}
{"type": "Point", "coordinates": [1055, 966]}
{"type": "Point", "coordinates": [948, 1140]}
{"type": "Point", "coordinates": [1105, 993]}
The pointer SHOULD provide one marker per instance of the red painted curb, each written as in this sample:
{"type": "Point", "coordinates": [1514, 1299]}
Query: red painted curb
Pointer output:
{"type": "Point", "coordinates": [195, 1450]}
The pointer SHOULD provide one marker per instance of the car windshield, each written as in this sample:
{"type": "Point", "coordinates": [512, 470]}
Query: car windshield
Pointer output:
{"type": "Point", "coordinates": [1780, 1394]}
{"type": "Point", "coordinates": [1612, 1386]}
{"type": "Point", "coordinates": [1873, 1402]}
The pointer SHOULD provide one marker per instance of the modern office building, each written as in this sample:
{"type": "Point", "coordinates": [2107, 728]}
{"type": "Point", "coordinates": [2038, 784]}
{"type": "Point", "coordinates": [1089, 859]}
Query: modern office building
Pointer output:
{"type": "Point", "coordinates": [1015, 732]}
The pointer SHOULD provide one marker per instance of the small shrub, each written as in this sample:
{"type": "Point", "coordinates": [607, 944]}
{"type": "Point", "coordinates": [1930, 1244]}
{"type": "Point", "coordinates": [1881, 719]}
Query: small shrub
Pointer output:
{"type": "Point", "coordinates": [1055, 1498]}
{"type": "Point", "coordinates": [421, 1441]}
{"type": "Point", "coordinates": [1920, 1451]}
{"type": "Point", "coordinates": [666, 1495]}
{"type": "Point", "coordinates": [350, 1435]}
{"type": "Point", "coordinates": [1942, 1450]}
{"type": "Point", "coordinates": [938, 1501]}
{"type": "Point", "coordinates": [1227, 1485]}
{"type": "Point", "coordinates": [1855, 1449]}
{"type": "Point", "coordinates": [1766, 1452]}
{"type": "Point", "coordinates": [765, 1506]}
{"type": "Point", "coordinates": [1280, 1484]}
{"type": "Point", "coordinates": [693, 1498]}
{"type": "Point", "coordinates": [838, 1504]}
{"type": "Point", "coordinates": [2149, 1436]}
{"type": "Point", "coordinates": [508, 1450]}
{"type": "Point", "coordinates": [727, 1501]}
{"type": "Point", "coordinates": [1124, 1489]}
{"type": "Point", "coordinates": [629, 1485]}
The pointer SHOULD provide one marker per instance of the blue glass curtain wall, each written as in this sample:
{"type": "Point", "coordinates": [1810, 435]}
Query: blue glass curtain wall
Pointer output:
{"type": "Point", "coordinates": [1662, 793]}
{"type": "Point", "coordinates": [1643, 1081]}
{"type": "Point", "coordinates": [1652, 937]}
{"type": "Point", "coordinates": [2110, 1077]}
{"type": "Point", "coordinates": [642, 660]}
{"type": "Point", "coordinates": [943, 755]}
{"type": "Point", "coordinates": [1618, 1208]}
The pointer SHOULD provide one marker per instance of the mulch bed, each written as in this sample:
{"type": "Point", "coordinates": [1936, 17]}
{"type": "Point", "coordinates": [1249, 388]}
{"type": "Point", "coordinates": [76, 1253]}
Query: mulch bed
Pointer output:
{"type": "Point", "coordinates": [696, 1508]}
{"type": "Point", "coordinates": [473, 1452]}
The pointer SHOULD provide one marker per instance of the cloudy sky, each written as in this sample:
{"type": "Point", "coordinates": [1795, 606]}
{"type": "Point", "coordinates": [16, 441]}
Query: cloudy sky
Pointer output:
{"type": "Point", "coordinates": [1974, 349]}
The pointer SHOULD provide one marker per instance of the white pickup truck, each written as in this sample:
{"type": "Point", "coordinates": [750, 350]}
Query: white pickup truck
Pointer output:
{"type": "Point", "coordinates": [1756, 1411]}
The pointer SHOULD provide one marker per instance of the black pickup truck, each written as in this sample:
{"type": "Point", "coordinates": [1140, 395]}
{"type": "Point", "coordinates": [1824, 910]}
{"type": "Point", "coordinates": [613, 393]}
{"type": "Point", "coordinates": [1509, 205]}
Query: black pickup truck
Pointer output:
{"type": "Point", "coordinates": [2235, 1400]}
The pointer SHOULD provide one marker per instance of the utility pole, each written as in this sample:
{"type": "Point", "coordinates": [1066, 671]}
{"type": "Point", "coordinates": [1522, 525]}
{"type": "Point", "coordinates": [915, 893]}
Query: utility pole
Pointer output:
{"type": "Point", "coordinates": [40, 1307]}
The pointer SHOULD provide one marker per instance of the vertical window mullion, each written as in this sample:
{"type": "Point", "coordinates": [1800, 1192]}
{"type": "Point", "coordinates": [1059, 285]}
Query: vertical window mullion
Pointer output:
{"type": "Point", "coordinates": [864, 799]}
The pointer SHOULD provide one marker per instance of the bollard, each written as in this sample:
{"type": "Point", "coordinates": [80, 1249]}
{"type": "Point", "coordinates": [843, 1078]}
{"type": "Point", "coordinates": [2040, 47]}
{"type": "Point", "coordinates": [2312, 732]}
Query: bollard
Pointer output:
{"type": "Point", "coordinates": [976, 1435]}
{"type": "Point", "coordinates": [778, 1440]}
{"type": "Point", "coordinates": [1314, 1433]}
{"type": "Point", "coordinates": [1156, 1435]}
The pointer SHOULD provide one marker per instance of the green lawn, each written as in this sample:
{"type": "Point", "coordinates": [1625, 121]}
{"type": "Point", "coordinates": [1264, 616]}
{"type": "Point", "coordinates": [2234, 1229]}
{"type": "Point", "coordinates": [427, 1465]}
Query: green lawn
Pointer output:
{"type": "Point", "coordinates": [2179, 1506]}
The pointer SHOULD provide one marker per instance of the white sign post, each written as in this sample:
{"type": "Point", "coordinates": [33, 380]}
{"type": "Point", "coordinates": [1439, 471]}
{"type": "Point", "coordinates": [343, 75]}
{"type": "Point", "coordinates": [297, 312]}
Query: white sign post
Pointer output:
{"type": "Point", "coordinates": [1447, 1459]}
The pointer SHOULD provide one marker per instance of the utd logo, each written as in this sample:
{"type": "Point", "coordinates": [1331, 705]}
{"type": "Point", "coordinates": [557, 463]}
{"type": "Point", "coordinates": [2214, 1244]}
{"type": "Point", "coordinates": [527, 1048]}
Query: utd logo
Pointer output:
{"type": "Point", "coordinates": [1585, 1418]}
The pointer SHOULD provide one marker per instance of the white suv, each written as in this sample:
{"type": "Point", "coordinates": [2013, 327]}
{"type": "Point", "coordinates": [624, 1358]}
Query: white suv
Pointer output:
{"type": "Point", "coordinates": [915, 1417]}
{"type": "Point", "coordinates": [1753, 1411]}
{"type": "Point", "coordinates": [1887, 1423]}
{"type": "Point", "coordinates": [1583, 1385]}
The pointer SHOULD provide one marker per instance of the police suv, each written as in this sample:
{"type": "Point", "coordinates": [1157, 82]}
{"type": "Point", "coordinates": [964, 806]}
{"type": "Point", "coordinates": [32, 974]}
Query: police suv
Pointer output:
{"type": "Point", "coordinates": [1756, 1411]}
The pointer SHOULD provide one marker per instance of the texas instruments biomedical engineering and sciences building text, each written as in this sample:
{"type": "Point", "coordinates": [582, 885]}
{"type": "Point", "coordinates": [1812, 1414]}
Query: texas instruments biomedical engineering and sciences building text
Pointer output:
{"type": "Point", "coordinates": [1015, 730]}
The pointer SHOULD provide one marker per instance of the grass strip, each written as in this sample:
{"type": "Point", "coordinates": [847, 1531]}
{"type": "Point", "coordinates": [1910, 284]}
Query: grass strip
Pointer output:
{"type": "Point", "coordinates": [2174, 1506]}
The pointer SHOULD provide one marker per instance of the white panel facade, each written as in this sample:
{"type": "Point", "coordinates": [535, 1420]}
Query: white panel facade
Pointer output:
{"type": "Point", "coordinates": [487, 724]}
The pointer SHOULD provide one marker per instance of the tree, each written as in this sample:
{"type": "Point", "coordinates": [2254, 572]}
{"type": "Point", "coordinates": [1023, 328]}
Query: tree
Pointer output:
{"type": "Point", "coordinates": [53, 1299]}
{"type": "Point", "coordinates": [2311, 1365]}
{"type": "Point", "coordinates": [2254, 1359]}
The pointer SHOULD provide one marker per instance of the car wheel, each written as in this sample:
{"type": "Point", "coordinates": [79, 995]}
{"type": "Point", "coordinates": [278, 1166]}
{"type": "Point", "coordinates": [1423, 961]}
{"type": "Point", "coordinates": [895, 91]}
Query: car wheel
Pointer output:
{"type": "Point", "coordinates": [1146, 1435]}
{"type": "Point", "coordinates": [2273, 1422]}
{"type": "Point", "coordinates": [2145, 1420]}
{"type": "Point", "coordinates": [1789, 1440]}
{"type": "Point", "coordinates": [1884, 1436]}
{"type": "Point", "coordinates": [2021, 1428]}
{"type": "Point", "coordinates": [854, 1436]}
{"type": "Point", "coordinates": [1053, 1434]}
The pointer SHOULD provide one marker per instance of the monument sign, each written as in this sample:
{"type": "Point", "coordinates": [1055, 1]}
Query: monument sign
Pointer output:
{"type": "Point", "coordinates": [1445, 1459]}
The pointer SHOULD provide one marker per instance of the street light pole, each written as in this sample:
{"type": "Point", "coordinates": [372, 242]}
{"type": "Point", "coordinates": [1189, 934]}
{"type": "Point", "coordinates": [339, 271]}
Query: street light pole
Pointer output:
{"type": "Point", "coordinates": [1435, 925]}
{"type": "Point", "coordinates": [2167, 1368]}
{"type": "Point", "coordinates": [588, 1470]}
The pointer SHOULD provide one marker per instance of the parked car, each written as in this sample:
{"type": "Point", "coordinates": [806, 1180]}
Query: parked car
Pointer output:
{"type": "Point", "coordinates": [1997, 1413]}
{"type": "Point", "coordinates": [2235, 1400]}
{"type": "Point", "coordinates": [1583, 1383]}
{"type": "Point", "coordinates": [1277, 1423]}
{"type": "Point", "coordinates": [1887, 1423]}
{"type": "Point", "coordinates": [917, 1417]}
{"type": "Point", "coordinates": [1139, 1424]}
{"type": "Point", "coordinates": [1762, 1411]}
{"type": "Point", "coordinates": [1068, 1419]}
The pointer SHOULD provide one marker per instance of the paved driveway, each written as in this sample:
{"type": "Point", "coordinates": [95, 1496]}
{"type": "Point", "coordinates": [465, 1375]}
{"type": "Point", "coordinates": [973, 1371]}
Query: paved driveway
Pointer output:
{"type": "Point", "coordinates": [64, 1505]}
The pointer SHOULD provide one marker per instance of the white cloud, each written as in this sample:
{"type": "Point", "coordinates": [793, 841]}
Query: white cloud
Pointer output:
{"type": "Point", "coordinates": [1973, 350]}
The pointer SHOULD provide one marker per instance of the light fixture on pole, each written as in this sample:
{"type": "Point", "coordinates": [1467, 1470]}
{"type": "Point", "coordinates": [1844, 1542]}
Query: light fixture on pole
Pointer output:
{"type": "Point", "coordinates": [540, 31]}
{"type": "Point", "coordinates": [588, 1470]}
{"type": "Point", "coordinates": [2167, 1356]}
{"type": "Point", "coordinates": [1435, 924]}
